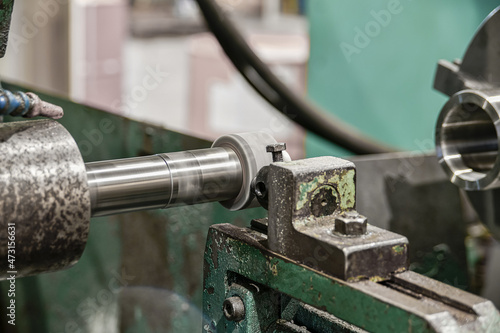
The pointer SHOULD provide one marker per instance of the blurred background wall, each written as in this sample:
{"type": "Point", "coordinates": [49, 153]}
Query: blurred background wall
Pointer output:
{"type": "Point", "coordinates": [154, 61]}
{"type": "Point", "coordinates": [372, 64]}
{"type": "Point", "coordinates": [369, 62]}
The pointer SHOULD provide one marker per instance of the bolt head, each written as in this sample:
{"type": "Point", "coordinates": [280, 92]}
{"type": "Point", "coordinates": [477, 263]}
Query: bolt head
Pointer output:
{"type": "Point", "coordinates": [276, 147]}
{"type": "Point", "coordinates": [351, 223]}
{"type": "Point", "coordinates": [234, 308]}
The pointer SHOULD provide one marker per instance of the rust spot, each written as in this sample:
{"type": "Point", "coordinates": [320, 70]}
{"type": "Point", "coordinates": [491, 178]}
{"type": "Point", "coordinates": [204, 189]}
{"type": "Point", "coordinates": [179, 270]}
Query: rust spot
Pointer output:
{"type": "Point", "coordinates": [377, 279]}
{"type": "Point", "coordinates": [399, 249]}
{"type": "Point", "coordinates": [274, 268]}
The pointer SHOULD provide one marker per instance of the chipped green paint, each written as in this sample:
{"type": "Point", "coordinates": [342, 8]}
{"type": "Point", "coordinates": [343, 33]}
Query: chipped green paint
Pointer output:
{"type": "Point", "coordinates": [273, 268]}
{"type": "Point", "coordinates": [376, 279]}
{"type": "Point", "coordinates": [252, 261]}
{"type": "Point", "coordinates": [346, 187]}
{"type": "Point", "coordinates": [343, 182]}
{"type": "Point", "coordinates": [306, 188]}
{"type": "Point", "coordinates": [399, 249]}
{"type": "Point", "coordinates": [364, 277]}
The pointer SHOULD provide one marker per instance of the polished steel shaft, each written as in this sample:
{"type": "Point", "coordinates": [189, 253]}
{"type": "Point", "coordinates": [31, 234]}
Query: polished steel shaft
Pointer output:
{"type": "Point", "coordinates": [164, 180]}
{"type": "Point", "coordinates": [48, 194]}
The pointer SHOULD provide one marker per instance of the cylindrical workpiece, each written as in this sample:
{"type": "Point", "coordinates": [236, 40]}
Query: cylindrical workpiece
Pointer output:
{"type": "Point", "coordinates": [164, 180]}
{"type": "Point", "coordinates": [47, 192]}
{"type": "Point", "coordinates": [125, 185]}
{"type": "Point", "coordinates": [44, 198]}
{"type": "Point", "coordinates": [467, 139]}
{"type": "Point", "coordinates": [197, 176]}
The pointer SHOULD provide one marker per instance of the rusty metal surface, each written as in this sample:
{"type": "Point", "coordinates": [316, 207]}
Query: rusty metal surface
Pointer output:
{"type": "Point", "coordinates": [409, 193]}
{"type": "Point", "coordinates": [444, 308]}
{"type": "Point", "coordinates": [6, 7]}
{"type": "Point", "coordinates": [306, 198]}
{"type": "Point", "coordinates": [44, 195]}
{"type": "Point", "coordinates": [404, 302]}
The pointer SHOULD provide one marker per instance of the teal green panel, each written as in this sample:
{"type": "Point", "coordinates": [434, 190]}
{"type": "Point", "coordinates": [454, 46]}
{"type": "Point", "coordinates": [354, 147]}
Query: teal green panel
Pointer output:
{"type": "Point", "coordinates": [88, 292]}
{"type": "Point", "coordinates": [372, 64]}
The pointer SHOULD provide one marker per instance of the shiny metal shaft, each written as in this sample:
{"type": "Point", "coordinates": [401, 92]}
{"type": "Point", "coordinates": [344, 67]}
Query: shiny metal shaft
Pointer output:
{"type": "Point", "coordinates": [164, 180]}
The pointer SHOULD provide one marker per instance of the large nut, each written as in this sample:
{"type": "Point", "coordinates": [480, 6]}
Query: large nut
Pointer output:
{"type": "Point", "coordinates": [351, 223]}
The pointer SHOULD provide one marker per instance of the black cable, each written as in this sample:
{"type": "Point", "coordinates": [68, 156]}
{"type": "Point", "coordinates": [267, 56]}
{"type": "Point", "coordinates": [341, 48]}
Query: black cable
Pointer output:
{"type": "Point", "coordinates": [298, 109]}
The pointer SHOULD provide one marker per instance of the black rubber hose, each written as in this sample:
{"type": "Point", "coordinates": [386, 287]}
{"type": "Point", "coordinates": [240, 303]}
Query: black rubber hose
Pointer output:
{"type": "Point", "coordinates": [298, 109]}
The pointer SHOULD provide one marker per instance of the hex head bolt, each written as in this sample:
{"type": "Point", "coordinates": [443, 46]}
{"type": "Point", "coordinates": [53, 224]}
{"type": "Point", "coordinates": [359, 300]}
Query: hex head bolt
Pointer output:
{"type": "Point", "coordinates": [351, 223]}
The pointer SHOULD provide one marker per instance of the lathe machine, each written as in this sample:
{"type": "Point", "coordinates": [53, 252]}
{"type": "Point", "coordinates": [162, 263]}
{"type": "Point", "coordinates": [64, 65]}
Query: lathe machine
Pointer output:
{"type": "Point", "coordinates": [313, 263]}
